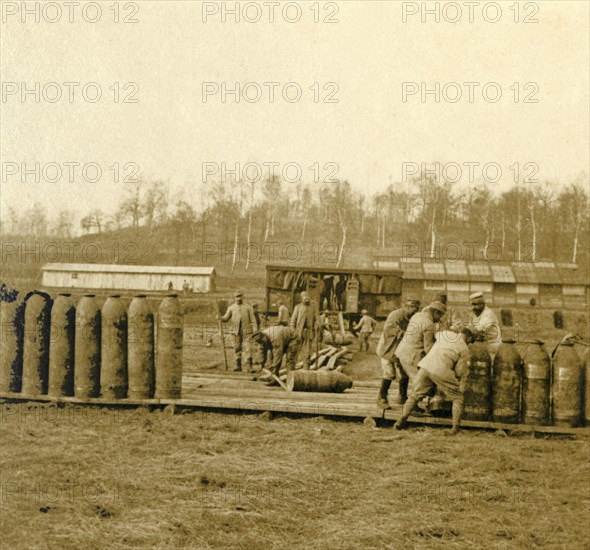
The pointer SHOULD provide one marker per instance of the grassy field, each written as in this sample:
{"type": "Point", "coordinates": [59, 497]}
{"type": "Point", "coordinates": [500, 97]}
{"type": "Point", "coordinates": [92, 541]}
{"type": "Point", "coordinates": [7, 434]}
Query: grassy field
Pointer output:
{"type": "Point", "coordinates": [94, 478]}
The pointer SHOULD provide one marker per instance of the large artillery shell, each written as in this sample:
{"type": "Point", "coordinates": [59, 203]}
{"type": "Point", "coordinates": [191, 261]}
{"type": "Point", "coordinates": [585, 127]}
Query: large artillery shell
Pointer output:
{"type": "Point", "coordinates": [536, 384]}
{"type": "Point", "coordinates": [87, 348]}
{"type": "Point", "coordinates": [568, 383]}
{"type": "Point", "coordinates": [36, 346]}
{"type": "Point", "coordinates": [506, 384]}
{"type": "Point", "coordinates": [12, 327]}
{"type": "Point", "coordinates": [478, 384]}
{"type": "Point", "coordinates": [113, 369]}
{"type": "Point", "coordinates": [169, 349]}
{"type": "Point", "coordinates": [61, 346]}
{"type": "Point", "coordinates": [140, 347]}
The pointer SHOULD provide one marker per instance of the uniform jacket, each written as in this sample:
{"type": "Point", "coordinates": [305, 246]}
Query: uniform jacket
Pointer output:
{"type": "Point", "coordinates": [283, 315]}
{"type": "Point", "coordinates": [487, 324]}
{"type": "Point", "coordinates": [242, 319]}
{"type": "Point", "coordinates": [280, 337]}
{"type": "Point", "coordinates": [366, 324]}
{"type": "Point", "coordinates": [304, 317]}
{"type": "Point", "coordinates": [394, 327]}
{"type": "Point", "coordinates": [418, 338]}
{"type": "Point", "coordinates": [448, 357]}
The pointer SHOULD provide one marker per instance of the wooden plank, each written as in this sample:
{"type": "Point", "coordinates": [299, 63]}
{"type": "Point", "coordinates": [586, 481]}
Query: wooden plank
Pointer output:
{"type": "Point", "coordinates": [304, 404]}
{"type": "Point", "coordinates": [488, 425]}
{"type": "Point", "coordinates": [341, 325]}
{"type": "Point", "coordinates": [334, 358]}
{"type": "Point", "coordinates": [276, 379]}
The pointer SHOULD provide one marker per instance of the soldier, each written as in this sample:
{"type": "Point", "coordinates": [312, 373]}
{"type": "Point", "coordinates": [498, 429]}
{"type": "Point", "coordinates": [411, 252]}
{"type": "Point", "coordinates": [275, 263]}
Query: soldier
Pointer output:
{"type": "Point", "coordinates": [260, 317]}
{"type": "Point", "coordinates": [340, 291]}
{"type": "Point", "coordinates": [445, 366]}
{"type": "Point", "coordinates": [278, 341]}
{"type": "Point", "coordinates": [283, 313]}
{"type": "Point", "coordinates": [416, 343]}
{"type": "Point", "coordinates": [393, 330]}
{"type": "Point", "coordinates": [243, 326]}
{"type": "Point", "coordinates": [305, 323]}
{"type": "Point", "coordinates": [366, 325]}
{"type": "Point", "coordinates": [446, 321]}
{"type": "Point", "coordinates": [327, 294]}
{"type": "Point", "coordinates": [484, 322]}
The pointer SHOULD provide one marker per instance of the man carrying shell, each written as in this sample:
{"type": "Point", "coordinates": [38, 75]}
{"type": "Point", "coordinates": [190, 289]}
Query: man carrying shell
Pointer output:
{"type": "Point", "coordinates": [445, 367]}
{"type": "Point", "coordinates": [277, 341]}
{"type": "Point", "coordinates": [393, 331]}
{"type": "Point", "coordinates": [417, 341]}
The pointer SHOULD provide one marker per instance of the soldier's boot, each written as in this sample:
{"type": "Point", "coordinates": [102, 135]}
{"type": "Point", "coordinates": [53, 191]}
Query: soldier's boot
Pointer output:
{"type": "Point", "coordinates": [238, 365]}
{"type": "Point", "coordinates": [457, 413]}
{"type": "Point", "coordinates": [406, 411]}
{"type": "Point", "coordinates": [249, 364]}
{"type": "Point", "coordinates": [402, 395]}
{"type": "Point", "coordinates": [382, 402]}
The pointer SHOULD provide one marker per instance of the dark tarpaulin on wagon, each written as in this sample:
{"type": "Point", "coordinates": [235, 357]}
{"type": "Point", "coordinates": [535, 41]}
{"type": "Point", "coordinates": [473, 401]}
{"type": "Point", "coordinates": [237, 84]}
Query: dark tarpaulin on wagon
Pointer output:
{"type": "Point", "coordinates": [281, 279]}
{"type": "Point", "coordinates": [389, 284]}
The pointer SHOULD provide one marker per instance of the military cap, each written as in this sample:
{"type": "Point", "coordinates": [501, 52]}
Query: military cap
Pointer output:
{"type": "Point", "coordinates": [477, 298]}
{"type": "Point", "coordinates": [438, 306]}
{"type": "Point", "coordinates": [238, 294]}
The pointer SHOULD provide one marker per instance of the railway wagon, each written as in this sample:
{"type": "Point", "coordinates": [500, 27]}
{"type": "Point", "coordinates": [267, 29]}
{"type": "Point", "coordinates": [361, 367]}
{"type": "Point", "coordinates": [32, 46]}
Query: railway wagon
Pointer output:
{"type": "Point", "coordinates": [346, 290]}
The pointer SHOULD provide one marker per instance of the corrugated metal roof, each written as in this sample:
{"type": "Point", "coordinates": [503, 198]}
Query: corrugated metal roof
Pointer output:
{"type": "Point", "coordinates": [117, 268]}
{"type": "Point", "coordinates": [525, 272]}
{"type": "Point", "coordinates": [434, 271]}
{"type": "Point", "coordinates": [548, 274]}
{"type": "Point", "coordinates": [412, 270]}
{"type": "Point", "coordinates": [479, 271]}
{"type": "Point", "coordinates": [457, 270]}
{"type": "Point", "coordinates": [502, 274]}
{"type": "Point", "coordinates": [543, 273]}
{"type": "Point", "coordinates": [570, 274]}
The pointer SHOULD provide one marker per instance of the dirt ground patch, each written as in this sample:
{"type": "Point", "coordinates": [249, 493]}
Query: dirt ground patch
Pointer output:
{"type": "Point", "coordinates": [81, 477]}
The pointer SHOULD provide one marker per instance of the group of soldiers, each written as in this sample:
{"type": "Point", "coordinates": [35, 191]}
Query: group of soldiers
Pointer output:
{"type": "Point", "coordinates": [293, 334]}
{"type": "Point", "coordinates": [423, 350]}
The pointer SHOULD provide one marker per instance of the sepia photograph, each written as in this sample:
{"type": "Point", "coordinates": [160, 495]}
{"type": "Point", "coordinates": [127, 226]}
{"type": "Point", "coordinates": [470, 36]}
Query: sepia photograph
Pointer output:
{"type": "Point", "coordinates": [294, 274]}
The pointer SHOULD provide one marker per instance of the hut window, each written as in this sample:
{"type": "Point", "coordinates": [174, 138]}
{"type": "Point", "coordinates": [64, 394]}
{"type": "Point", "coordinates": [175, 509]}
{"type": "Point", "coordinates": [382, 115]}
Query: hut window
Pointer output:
{"type": "Point", "coordinates": [74, 275]}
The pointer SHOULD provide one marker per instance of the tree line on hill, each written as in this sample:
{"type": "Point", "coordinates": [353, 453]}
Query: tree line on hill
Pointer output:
{"type": "Point", "coordinates": [541, 221]}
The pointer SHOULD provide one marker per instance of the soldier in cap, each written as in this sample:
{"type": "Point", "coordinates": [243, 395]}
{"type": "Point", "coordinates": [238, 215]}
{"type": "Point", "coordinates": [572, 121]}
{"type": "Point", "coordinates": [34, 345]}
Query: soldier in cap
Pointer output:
{"type": "Point", "coordinates": [243, 327]}
{"type": "Point", "coordinates": [393, 330]}
{"type": "Point", "coordinates": [444, 367]}
{"type": "Point", "coordinates": [445, 322]}
{"type": "Point", "coordinates": [305, 323]}
{"type": "Point", "coordinates": [366, 325]}
{"type": "Point", "coordinates": [416, 343]}
{"type": "Point", "coordinates": [484, 323]}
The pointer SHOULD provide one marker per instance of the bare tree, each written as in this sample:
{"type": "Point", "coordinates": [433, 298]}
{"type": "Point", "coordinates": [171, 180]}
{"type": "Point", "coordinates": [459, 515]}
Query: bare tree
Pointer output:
{"type": "Point", "coordinates": [306, 201]}
{"type": "Point", "coordinates": [132, 205]}
{"type": "Point", "coordinates": [35, 220]}
{"type": "Point", "coordinates": [64, 224]}
{"type": "Point", "coordinates": [183, 219]}
{"type": "Point", "coordinates": [249, 234]}
{"type": "Point", "coordinates": [155, 203]}
{"type": "Point", "coordinates": [271, 191]}
{"type": "Point", "coordinates": [343, 203]}
{"type": "Point", "coordinates": [574, 209]}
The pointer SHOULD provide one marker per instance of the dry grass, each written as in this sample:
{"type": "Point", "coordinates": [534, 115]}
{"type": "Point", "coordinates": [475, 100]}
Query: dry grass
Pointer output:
{"type": "Point", "coordinates": [94, 478]}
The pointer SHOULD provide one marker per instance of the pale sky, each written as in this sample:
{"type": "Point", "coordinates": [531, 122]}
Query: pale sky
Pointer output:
{"type": "Point", "coordinates": [368, 54]}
